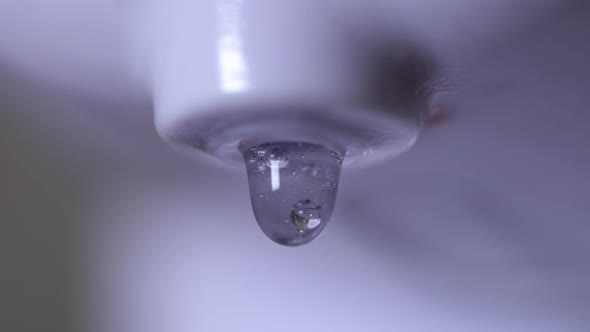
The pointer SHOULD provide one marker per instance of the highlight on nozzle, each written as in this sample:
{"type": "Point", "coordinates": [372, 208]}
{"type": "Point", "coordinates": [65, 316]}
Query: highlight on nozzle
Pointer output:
{"type": "Point", "coordinates": [293, 187]}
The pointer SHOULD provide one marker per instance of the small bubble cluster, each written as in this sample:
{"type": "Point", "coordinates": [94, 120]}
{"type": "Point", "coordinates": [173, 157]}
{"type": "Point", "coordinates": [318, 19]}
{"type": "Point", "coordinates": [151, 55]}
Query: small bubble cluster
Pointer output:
{"type": "Point", "coordinates": [267, 157]}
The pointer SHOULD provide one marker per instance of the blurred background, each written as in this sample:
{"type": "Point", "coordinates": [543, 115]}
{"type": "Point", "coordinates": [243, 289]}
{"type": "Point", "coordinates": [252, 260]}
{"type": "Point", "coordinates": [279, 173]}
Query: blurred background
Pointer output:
{"type": "Point", "coordinates": [483, 226]}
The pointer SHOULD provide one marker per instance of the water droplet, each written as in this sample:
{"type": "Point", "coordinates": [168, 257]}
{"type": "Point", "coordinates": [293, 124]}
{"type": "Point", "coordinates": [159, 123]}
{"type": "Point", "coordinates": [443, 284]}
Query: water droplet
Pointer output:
{"type": "Point", "coordinates": [292, 207]}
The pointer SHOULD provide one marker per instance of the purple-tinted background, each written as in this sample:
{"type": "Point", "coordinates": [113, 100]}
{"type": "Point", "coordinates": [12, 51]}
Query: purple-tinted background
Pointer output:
{"type": "Point", "coordinates": [483, 226]}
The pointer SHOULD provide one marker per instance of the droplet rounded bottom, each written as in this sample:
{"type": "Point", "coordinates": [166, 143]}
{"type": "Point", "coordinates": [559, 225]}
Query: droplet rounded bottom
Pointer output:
{"type": "Point", "coordinates": [293, 189]}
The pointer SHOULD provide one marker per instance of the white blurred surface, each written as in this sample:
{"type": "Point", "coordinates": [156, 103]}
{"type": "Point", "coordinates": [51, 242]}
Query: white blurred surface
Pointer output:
{"type": "Point", "coordinates": [482, 227]}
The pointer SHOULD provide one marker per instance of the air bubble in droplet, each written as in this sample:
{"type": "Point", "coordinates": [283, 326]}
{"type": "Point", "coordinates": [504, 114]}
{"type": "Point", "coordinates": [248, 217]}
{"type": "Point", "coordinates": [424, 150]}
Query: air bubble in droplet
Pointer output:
{"type": "Point", "coordinates": [292, 206]}
{"type": "Point", "coordinates": [306, 215]}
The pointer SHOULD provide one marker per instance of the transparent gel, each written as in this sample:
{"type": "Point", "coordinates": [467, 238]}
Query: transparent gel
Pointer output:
{"type": "Point", "coordinates": [293, 188]}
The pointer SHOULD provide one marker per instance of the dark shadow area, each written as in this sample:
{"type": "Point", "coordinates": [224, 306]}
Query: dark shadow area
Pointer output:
{"type": "Point", "coordinates": [39, 199]}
